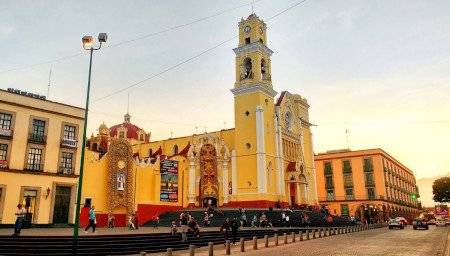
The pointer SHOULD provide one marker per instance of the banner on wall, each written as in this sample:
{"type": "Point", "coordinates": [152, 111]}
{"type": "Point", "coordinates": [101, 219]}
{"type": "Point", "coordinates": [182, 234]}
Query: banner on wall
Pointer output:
{"type": "Point", "coordinates": [169, 181]}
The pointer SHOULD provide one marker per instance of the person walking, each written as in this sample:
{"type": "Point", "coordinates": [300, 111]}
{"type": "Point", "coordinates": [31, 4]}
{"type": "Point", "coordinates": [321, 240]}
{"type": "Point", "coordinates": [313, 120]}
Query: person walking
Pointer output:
{"type": "Point", "coordinates": [21, 211]}
{"type": "Point", "coordinates": [92, 220]}
{"type": "Point", "coordinates": [136, 219]}
{"type": "Point", "coordinates": [224, 228]}
{"type": "Point", "coordinates": [155, 220]}
{"type": "Point", "coordinates": [111, 221]}
{"type": "Point", "coordinates": [234, 229]}
{"type": "Point", "coordinates": [183, 227]}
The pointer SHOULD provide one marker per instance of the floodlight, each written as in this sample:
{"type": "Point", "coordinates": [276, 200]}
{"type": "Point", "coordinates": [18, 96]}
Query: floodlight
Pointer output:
{"type": "Point", "coordinates": [87, 40]}
{"type": "Point", "coordinates": [102, 37]}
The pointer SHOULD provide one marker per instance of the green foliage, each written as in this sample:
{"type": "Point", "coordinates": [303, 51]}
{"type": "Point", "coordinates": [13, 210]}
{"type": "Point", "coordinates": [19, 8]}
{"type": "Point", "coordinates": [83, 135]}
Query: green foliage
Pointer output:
{"type": "Point", "coordinates": [441, 190]}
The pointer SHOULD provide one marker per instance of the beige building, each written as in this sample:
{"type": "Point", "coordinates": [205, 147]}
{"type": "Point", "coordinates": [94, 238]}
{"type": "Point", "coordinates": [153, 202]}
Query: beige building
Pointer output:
{"type": "Point", "coordinates": [366, 184]}
{"type": "Point", "coordinates": [39, 157]}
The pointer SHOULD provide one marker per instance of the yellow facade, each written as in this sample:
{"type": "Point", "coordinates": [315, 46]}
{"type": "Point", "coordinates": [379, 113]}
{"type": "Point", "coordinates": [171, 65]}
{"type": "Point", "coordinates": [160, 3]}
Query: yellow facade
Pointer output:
{"type": "Point", "coordinates": [266, 159]}
{"type": "Point", "coordinates": [39, 157]}
{"type": "Point", "coordinates": [365, 184]}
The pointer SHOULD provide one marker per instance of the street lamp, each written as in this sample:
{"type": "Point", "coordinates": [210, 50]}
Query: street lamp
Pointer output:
{"type": "Point", "coordinates": [87, 45]}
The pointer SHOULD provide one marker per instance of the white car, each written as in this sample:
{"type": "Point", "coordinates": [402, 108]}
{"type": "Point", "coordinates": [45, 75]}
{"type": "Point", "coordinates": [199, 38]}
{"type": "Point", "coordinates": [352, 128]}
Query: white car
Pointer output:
{"type": "Point", "coordinates": [441, 223]}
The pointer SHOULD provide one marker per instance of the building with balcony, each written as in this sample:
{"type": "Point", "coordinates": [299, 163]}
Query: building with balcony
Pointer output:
{"type": "Point", "coordinates": [366, 184]}
{"type": "Point", "coordinates": [39, 157]}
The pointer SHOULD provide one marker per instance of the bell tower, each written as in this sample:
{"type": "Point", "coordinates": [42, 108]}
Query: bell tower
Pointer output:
{"type": "Point", "coordinates": [254, 114]}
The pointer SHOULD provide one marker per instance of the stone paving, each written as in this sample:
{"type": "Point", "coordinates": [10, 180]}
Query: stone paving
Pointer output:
{"type": "Point", "coordinates": [382, 241]}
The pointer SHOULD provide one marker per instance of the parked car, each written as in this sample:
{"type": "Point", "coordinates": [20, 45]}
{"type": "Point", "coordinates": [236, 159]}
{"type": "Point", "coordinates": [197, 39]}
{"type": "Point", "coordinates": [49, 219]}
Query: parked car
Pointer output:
{"type": "Point", "coordinates": [394, 223]}
{"type": "Point", "coordinates": [420, 223]}
{"type": "Point", "coordinates": [447, 221]}
{"type": "Point", "coordinates": [441, 223]}
{"type": "Point", "coordinates": [431, 222]}
{"type": "Point", "coordinates": [403, 220]}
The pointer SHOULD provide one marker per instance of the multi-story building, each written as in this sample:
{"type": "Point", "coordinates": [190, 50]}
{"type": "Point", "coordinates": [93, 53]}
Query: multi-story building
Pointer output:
{"type": "Point", "coordinates": [366, 184]}
{"type": "Point", "coordinates": [39, 157]}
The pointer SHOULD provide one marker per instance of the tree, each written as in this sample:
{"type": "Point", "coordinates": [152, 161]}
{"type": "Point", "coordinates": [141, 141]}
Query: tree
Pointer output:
{"type": "Point", "coordinates": [441, 190]}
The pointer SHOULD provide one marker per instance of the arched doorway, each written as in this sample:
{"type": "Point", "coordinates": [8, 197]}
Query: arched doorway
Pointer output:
{"type": "Point", "coordinates": [368, 212]}
{"type": "Point", "coordinates": [209, 189]}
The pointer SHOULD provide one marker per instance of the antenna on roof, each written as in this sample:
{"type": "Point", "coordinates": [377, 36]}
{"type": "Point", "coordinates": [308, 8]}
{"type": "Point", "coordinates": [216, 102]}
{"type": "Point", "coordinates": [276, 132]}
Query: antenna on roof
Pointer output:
{"type": "Point", "coordinates": [347, 135]}
{"type": "Point", "coordinates": [49, 80]}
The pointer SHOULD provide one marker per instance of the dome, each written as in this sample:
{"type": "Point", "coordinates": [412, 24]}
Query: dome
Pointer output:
{"type": "Point", "coordinates": [131, 129]}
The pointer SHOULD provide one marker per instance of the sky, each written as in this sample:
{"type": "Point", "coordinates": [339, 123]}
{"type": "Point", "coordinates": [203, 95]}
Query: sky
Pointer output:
{"type": "Point", "coordinates": [379, 70]}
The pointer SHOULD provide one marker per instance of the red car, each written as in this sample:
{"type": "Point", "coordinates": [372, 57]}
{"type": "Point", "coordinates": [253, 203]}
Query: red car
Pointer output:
{"type": "Point", "coordinates": [403, 220]}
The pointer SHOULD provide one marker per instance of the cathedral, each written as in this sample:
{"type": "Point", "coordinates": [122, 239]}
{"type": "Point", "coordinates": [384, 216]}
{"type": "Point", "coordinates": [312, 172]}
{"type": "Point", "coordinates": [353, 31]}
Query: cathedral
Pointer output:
{"type": "Point", "coordinates": [266, 160]}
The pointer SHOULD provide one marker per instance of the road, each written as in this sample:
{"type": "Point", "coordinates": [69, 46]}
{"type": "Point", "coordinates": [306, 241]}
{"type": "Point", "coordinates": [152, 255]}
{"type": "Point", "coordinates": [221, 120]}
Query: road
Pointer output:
{"type": "Point", "coordinates": [380, 241]}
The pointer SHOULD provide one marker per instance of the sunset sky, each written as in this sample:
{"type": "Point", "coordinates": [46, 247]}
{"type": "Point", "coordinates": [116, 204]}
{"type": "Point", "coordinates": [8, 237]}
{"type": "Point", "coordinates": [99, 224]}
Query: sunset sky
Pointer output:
{"type": "Point", "coordinates": [379, 69]}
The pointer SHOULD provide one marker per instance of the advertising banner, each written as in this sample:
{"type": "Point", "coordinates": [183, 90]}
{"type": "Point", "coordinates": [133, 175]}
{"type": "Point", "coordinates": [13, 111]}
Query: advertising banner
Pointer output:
{"type": "Point", "coordinates": [441, 210]}
{"type": "Point", "coordinates": [169, 181]}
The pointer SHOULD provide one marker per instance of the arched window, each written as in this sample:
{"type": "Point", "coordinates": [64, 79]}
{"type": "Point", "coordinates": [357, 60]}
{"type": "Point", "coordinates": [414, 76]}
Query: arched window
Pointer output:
{"type": "Point", "coordinates": [175, 150]}
{"type": "Point", "coordinates": [263, 69]}
{"type": "Point", "coordinates": [248, 73]}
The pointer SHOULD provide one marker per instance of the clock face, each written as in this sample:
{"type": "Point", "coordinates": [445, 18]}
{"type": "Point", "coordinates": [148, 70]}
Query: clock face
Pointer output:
{"type": "Point", "coordinates": [261, 31]}
{"type": "Point", "coordinates": [247, 29]}
{"type": "Point", "coordinates": [121, 164]}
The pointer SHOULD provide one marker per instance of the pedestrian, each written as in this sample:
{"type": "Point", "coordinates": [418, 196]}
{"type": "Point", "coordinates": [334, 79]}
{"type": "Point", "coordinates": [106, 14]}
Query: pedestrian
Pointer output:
{"type": "Point", "coordinates": [329, 220]}
{"type": "Point", "coordinates": [254, 221]}
{"type": "Point", "coordinates": [131, 222]}
{"type": "Point", "coordinates": [244, 220]}
{"type": "Point", "coordinates": [183, 227]}
{"type": "Point", "coordinates": [155, 220]}
{"type": "Point", "coordinates": [21, 211]}
{"type": "Point", "coordinates": [193, 227]}
{"type": "Point", "coordinates": [206, 220]}
{"type": "Point", "coordinates": [234, 229]}
{"type": "Point", "coordinates": [173, 228]}
{"type": "Point", "coordinates": [136, 219]}
{"type": "Point", "coordinates": [224, 228]}
{"type": "Point", "coordinates": [288, 224]}
{"type": "Point", "coordinates": [111, 221]}
{"type": "Point", "coordinates": [307, 222]}
{"type": "Point", "coordinates": [283, 218]}
{"type": "Point", "coordinates": [92, 220]}
{"type": "Point", "coordinates": [324, 220]}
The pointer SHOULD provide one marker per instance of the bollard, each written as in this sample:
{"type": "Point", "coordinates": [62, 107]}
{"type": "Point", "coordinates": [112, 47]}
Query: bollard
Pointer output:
{"type": "Point", "coordinates": [314, 233]}
{"type": "Point", "coordinates": [255, 243]}
{"type": "Point", "coordinates": [210, 249]}
{"type": "Point", "coordinates": [285, 238]}
{"type": "Point", "coordinates": [191, 250]}
{"type": "Point", "coordinates": [227, 247]}
{"type": "Point", "coordinates": [266, 241]}
{"type": "Point", "coordinates": [307, 234]}
{"type": "Point", "coordinates": [325, 232]}
{"type": "Point", "coordinates": [275, 238]}
{"type": "Point", "coordinates": [293, 237]}
{"type": "Point", "coordinates": [339, 231]}
{"type": "Point", "coordinates": [242, 244]}
{"type": "Point", "coordinates": [143, 253]}
{"type": "Point", "coordinates": [320, 232]}
{"type": "Point", "coordinates": [300, 233]}
{"type": "Point", "coordinates": [169, 251]}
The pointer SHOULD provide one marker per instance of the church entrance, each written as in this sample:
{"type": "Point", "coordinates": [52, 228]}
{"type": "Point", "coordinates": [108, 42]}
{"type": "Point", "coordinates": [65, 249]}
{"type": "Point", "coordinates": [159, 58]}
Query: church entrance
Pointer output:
{"type": "Point", "coordinates": [209, 187]}
{"type": "Point", "coordinates": [209, 201]}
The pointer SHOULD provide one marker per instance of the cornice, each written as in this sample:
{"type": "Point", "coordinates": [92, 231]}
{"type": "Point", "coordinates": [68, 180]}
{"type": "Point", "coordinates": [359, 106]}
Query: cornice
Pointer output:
{"type": "Point", "coordinates": [254, 88]}
{"type": "Point", "coordinates": [252, 47]}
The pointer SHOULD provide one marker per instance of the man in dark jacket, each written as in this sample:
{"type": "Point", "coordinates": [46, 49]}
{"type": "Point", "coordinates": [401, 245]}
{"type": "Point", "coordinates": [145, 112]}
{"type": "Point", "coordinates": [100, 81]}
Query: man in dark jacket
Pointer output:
{"type": "Point", "coordinates": [234, 229]}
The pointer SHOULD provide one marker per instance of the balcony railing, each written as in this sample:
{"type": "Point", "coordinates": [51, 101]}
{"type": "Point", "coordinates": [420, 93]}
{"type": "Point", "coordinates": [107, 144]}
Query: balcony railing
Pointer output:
{"type": "Point", "coordinates": [349, 197]}
{"type": "Point", "coordinates": [69, 143]}
{"type": "Point", "coordinates": [35, 167]}
{"type": "Point", "coordinates": [3, 164]}
{"type": "Point", "coordinates": [368, 168]}
{"type": "Point", "coordinates": [65, 170]}
{"type": "Point", "coordinates": [330, 198]}
{"type": "Point", "coordinates": [329, 185]}
{"type": "Point", "coordinates": [348, 184]}
{"type": "Point", "coordinates": [370, 183]}
{"type": "Point", "coordinates": [347, 169]}
{"type": "Point", "coordinates": [6, 134]}
{"type": "Point", "coordinates": [35, 137]}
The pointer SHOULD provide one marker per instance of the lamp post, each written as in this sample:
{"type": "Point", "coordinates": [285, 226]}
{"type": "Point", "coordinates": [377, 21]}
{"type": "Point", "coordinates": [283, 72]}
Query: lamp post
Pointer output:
{"type": "Point", "coordinates": [87, 45]}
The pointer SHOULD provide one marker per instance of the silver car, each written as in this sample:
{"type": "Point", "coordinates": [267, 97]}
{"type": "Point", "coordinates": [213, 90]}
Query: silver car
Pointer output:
{"type": "Point", "coordinates": [394, 223]}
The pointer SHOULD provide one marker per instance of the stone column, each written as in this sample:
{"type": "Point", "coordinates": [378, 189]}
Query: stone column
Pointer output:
{"type": "Point", "coordinates": [191, 195]}
{"type": "Point", "coordinates": [225, 181]}
{"type": "Point", "coordinates": [260, 151]}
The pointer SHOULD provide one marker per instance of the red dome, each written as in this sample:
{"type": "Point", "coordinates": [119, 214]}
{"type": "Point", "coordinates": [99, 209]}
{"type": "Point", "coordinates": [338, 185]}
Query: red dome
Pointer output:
{"type": "Point", "coordinates": [132, 130]}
